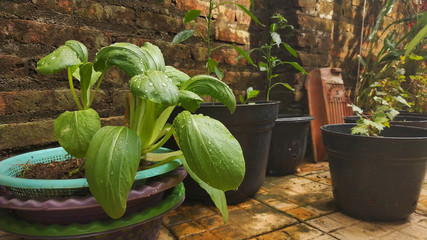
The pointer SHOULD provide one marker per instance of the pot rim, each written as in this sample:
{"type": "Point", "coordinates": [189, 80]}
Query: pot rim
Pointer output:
{"type": "Point", "coordinates": [327, 129]}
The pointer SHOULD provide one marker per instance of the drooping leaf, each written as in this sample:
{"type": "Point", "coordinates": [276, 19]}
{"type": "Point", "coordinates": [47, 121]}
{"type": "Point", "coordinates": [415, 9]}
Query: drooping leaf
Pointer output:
{"type": "Point", "coordinates": [290, 50]}
{"type": "Point", "coordinates": [248, 13]}
{"type": "Point", "coordinates": [263, 66]}
{"type": "Point", "coordinates": [60, 59]}
{"type": "Point", "coordinates": [217, 196]}
{"type": "Point", "coordinates": [189, 100]}
{"type": "Point", "coordinates": [126, 56]}
{"type": "Point", "coordinates": [243, 54]}
{"type": "Point", "coordinates": [297, 66]}
{"type": "Point", "coordinates": [177, 77]}
{"type": "Point", "coordinates": [383, 12]}
{"type": "Point", "coordinates": [154, 56]}
{"type": "Point", "coordinates": [205, 85]}
{"type": "Point", "coordinates": [210, 150]}
{"type": "Point", "coordinates": [74, 130]}
{"type": "Point", "coordinates": [79, 48]}
{"type": "Point", "coordinates": [156, 87]}
{"type": "Point", "coordinates": [94, 76]}
{"type": "Point", "coordinates": [182, 36]}
{"type": "Point", "coordinates": [211, 64]}
{"type": "Point", "coordinates": [191, 15]}
{"type": "Point", "coordinates": [111, 164]}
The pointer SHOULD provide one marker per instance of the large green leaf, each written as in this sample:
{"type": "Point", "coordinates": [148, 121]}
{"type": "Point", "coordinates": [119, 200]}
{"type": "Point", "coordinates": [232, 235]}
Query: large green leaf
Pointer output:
{"type": "Point", "coordinates": [210, 150]}
{"type": "Point", "coordinates": [60, 59]}
{"type": "Point", "coordinates": [111, 164]}
{"type": "Point", "coordinates": [217, 196]}
{"type": "Point", "coordinates": [126, 56]}
{"type": "Point", "coordinates": [154, 56]}
{"type": "Point", "coordinates": [421, 35]}
{"type": "Point", "coordinates": [204, 85]}
{"type": "Point", "coordinates": [386, 9]}
{"type": "Point", "coordinates": [156, 87]}
{"type": "Point", "coordinates": [74, 130]}
{"type": "Point", "coordinates": [189, 100]}
{"type": "Point", "coordinates": [178, 77]}
{"type": "Point", "coordinates": [79, 48]}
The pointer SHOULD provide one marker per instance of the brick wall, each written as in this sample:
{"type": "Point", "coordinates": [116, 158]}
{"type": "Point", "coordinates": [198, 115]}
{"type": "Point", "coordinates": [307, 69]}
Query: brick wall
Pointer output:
{"type": "Point", "coordinates": [327, 35]}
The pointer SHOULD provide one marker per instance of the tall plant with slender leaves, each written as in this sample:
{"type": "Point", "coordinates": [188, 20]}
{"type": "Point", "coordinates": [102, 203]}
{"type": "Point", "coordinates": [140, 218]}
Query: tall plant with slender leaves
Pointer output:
{"type": "Point", "coordinates": [271, 61]}
{"type": "Point", "coordinates": [112, 154]}
{"type": "Point", "coordinates": [193, 14]}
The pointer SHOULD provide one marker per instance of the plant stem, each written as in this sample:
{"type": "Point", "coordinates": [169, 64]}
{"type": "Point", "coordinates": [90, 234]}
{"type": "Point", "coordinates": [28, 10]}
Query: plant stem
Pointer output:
{"type": "Point", "coordinates": [96, 90]}
{"type": "Point", "coordinates": [208, 37]}
{"type": "Point", "coordinates": [73, 92]}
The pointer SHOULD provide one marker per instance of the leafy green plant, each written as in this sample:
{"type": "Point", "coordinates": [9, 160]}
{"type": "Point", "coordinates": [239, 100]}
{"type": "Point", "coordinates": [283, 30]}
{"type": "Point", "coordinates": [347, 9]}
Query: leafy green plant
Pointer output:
{"type": "Point", "coordinates": [209, 153]}
{"type": "Point", "coordinates": [373, 123]}
{"type": "Point", "coordinates": [191, 15]}
{"type": "Point", "coordinates": [382, 66]}
{"type": "Point", "coordinates": [271, 61]}
{"type": "Point", "coordinates": [250, 93]}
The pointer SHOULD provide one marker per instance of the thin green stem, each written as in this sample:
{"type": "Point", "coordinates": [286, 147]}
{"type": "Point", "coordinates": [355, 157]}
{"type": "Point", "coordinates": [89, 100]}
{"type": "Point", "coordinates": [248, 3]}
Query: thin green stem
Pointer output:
{"type": "Point", "coordinates": [96, 90]}
{"type": "Point", "coordinates": [73, 91]}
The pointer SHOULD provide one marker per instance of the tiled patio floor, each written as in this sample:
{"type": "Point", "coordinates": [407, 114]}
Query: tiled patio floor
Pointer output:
{"type": "Point", "coordinates": [298, 206]}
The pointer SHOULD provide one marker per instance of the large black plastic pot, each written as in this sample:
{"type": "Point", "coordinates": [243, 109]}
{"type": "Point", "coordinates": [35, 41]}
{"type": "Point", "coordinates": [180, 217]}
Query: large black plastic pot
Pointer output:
{"type": "Point", "coordinates": [251, 125]}
{"type": "Point", "coordinates": [288, 144]}
{"type": "Point", "coordinates": [400, 120]}
{"type": "Point", "coordinates": [376, 178]}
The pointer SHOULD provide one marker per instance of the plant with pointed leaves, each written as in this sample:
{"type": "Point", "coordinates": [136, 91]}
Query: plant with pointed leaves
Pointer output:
{"type": "Point", "coordinates": [209, 153]}
{"type": "Point", "coordinates": [272, 61]}
{"type": "Point", "coordinates": [373, 123]}
{"type": "Point", "coordinates": [191, 15]}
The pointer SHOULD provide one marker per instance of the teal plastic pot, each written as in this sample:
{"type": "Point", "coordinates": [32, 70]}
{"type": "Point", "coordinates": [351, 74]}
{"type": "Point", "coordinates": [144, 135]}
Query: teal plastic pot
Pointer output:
{"type": "Point", "coordinates": [376, 178]}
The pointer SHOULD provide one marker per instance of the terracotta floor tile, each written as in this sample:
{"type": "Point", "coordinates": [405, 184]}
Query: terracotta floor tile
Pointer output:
{"type": "Point", "coordinates": [230, 231]}
{"type": "Point", "coordinates": [342, 218]}
{"type": "Point", "coordinates": [164, 234]}
{"type": "Point", "coordinates": [276, 235]}
{"type": "Point", "coordinates": [322, 207]}
{"type": "Point", "coordinates": [175, 217]}
{"type": "Point", "coordinates": [196, 210]}
{"type": "Point", "coordinates": [396, 236]}
{"type": "Point", "coordinates": [372, 229]}
{"type": "Point", "coordinates": [201, 236]}
{"type": "Point", "coordinates": [211, 222]}
{"type": "Point", "coordinates": [250, 202]}
{"type": "Point", "coordinates": [281, 205]}
{"type": "Point", "coordinates": [351, 233]}
{"type": "Point", "coordinates": [302, 214]}
{"type": "Point", "coordinates": [302, 232]}
{"type": "Point", "coordinates": [325, 224]}
{"type": "Point", "coordinates": [185, 229]}
{"type": "Point", "coordinates": [418, 231]}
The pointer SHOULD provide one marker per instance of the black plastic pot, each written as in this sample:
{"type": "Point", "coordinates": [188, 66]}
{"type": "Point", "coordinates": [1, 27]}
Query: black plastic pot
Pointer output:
{"type": "Point", "coordinates": [376, 178]}
{"type": "Point", "coordinates": [251, 125]}
{"type": "Point", "coordinates": [288, 144]}
{"type": "Point", "coordinates": [400, 120]}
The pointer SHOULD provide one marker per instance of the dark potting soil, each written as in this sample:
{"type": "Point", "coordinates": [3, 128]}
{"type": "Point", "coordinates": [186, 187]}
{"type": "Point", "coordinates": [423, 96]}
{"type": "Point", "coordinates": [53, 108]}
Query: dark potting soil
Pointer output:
{"type": "Point", "coordinates": [53, 170]}
{"type": "Point", "coordinates": [58, 170]}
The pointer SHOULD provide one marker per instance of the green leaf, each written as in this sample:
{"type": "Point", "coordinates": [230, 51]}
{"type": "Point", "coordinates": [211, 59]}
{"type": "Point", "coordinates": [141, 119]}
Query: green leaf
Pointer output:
{"type": "Point", "coordinates": [263, 66]}
{"type": "Point", "coordinates": [74, 130]}
{"type": "Point", "coordinates": [191, 15]}
{"type": "Point", "coordinates": [60, 59]}
{"type": "Point", "coordinates": [243, 54]}
{"type": "Point", "coordinates": [416, 40]}
{"type": "Point", "coordinates": [126, 56]}
{"type": "Point", "coordinates": [401, 100]}
{"type": "Point", "coordinates": [111, 164]}
{"type": "Point", "coordinates": [177, 77]}
{"type": "Point", "coordinates": [273, 27]}
{"type": "Point", "coordinates": [182, 36]}
{"type": "Point", "coordinates": [189, 100]}
{"type": "Point", "coordinates": [361, 60]}
{"type": "Point", "coordinates": [290, 50]}
{"type": "Point", "coordinates": [154, 56]}
{"type": "Point", "coordinates": [298, 67]}
{"type": "Point", "coordinates": [248, 13]}
{"type": "Point", "coordinates": [156, 87]}
{"type": "Point", "coordinates": [205, 85]}
{"type": "Point", "coordinates": [79, 48]}
{"type": "Point", "coordinates": [212, 64]}
{"type": "Point", "coordinates": [242, 100]}
{"type": "Point", "coordinates": [384, 11]}
{"type": "Point", "coordinates": [210, 150]}
{"type": "Point", "coordinates": [217, 196]}
{"type": "Point", "coordinates": [219, 73]}
{"type": "Point", "coordinates": [276, 38]}
{"type": "Point", "coordinates": [252, 94]}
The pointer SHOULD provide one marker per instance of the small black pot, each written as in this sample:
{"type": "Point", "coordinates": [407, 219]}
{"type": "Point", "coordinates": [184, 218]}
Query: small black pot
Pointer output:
{"type": "Point", "coordinates": [400, 120]}
{"type": "Point", "coordinates": [288, 144]}
{"type": "Point", "coordinates": [376, 178]}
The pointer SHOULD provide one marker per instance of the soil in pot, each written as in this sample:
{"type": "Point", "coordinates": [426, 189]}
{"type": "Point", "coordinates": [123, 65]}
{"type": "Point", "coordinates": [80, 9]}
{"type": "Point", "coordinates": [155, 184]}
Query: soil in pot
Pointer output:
{"type": "Point", "coordinates": [376, 178]}
{"type": "Point", "coordinates": [288, 144]}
